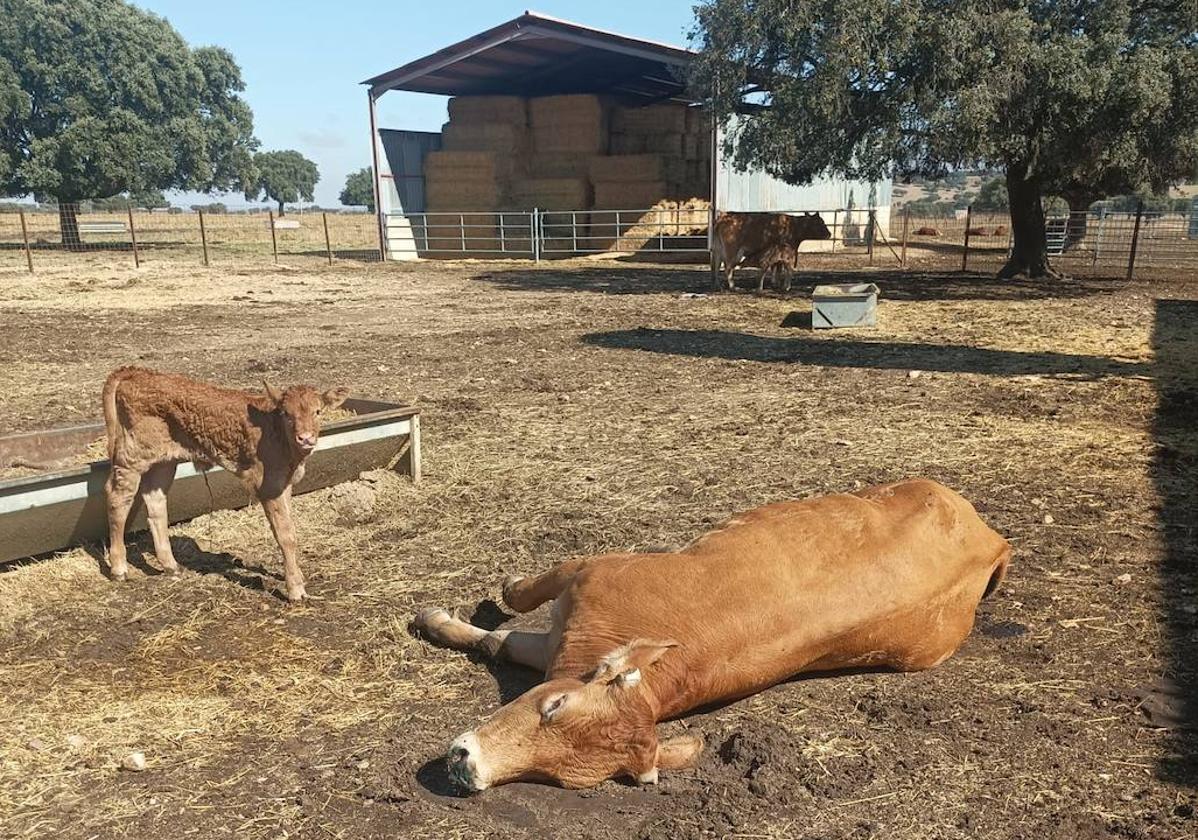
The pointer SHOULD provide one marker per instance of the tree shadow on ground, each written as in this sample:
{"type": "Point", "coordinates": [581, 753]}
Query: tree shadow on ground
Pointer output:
{"type": "Point", "coordinates": [884, 355]}
{"type": "Point", "coordinates": [1172, 703]}
{"type": "Point", "coordinates": [895, 283]}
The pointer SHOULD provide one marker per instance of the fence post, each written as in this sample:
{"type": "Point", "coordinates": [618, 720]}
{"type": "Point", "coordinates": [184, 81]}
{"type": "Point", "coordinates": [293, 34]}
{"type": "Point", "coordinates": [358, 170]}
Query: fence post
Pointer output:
{"type": "Point", "coordinates": [968, 223]}
{"type": "Point", "coordinates": [871, 231]}
{"type": "Point", "coordinates": [534, 220]}
{"type": "Point", "coordinates": [835, 224]}
{"type": "Point", "coordinates": [327, 244]}
{"type": "Point", "coordinates": [203, 237]}
{"type": "Point", "coordinates": [133, 237]}
{"type": "Point", "coordinates": [25, 239]}
{"type": "Point", "coordinates": [906, 223]}
{"type": "Point", "coordinates": [1135, 241]}
{"type": "Point", "coordinates": [274, 242]}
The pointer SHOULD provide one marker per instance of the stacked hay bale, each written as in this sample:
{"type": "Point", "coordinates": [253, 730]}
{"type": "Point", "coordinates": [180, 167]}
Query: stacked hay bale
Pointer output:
{"type": "Point", "coordinates": [566, 132]}
{"type": "Point", "coordinates": [661, 164]}
{"type": "Point", "coordinates": [484, 145]}
{"type": "Point", "coordinates": [567, 153]}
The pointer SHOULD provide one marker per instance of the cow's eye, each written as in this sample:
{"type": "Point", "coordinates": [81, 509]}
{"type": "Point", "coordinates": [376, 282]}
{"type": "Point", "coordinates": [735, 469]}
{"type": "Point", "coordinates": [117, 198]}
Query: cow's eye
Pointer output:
{"type": "Point", "coordinates": [551, 708]}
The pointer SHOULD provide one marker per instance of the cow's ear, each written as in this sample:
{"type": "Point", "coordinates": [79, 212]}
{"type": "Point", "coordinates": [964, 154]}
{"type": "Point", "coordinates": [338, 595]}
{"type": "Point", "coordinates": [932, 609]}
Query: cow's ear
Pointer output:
{"type": "Point", "coordinates": [276, 396]}
{"type": "Point", "coordinates": [636, 655]}
{"type": "Point", "coordinates": [334, 397]}
{"type": "Point", "coordinates": [678, 752]}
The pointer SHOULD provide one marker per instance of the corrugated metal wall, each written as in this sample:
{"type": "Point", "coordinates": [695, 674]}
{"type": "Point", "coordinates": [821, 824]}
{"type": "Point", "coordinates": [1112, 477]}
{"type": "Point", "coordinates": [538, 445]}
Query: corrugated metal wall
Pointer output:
{"type": "Point", "coordinates": [403, 161]}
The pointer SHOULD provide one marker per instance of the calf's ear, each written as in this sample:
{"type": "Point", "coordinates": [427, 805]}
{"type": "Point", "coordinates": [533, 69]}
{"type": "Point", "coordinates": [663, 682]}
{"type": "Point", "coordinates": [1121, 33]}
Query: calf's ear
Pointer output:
{"type": "Point", "coordinates": [276, 396]}
{"type": "Point", "coordinates": [334, 397]}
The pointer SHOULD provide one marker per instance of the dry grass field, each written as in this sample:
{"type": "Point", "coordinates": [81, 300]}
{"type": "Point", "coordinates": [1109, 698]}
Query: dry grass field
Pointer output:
{"type": "Point", "coordinates": [589, 406]}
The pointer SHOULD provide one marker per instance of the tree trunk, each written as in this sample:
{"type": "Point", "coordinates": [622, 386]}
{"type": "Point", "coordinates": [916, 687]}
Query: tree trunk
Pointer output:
{"type": "Point", "coordinates": [281, 210]}
{"type": "Point", "coordinates": [1029, 249]}
{"type": "Point", "coordinates": [68, 226]}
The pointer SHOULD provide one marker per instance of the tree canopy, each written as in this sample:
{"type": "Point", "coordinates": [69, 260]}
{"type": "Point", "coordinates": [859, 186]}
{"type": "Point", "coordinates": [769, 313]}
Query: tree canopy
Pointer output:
{"type": "Point", "coordinates": [1100, 96]}
{"type": "Point", "coordinates": [98, 97]}
{"type": "Point", "coordinates": [285, 176]}
{"type": "Point", "coordinates": [359, 189]}
{"type": "Point", "coordinates": [992, 196]}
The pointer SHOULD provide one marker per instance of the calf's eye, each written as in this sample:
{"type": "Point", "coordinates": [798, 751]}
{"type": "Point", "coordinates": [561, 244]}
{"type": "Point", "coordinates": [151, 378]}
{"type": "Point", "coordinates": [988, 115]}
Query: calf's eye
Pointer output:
{"type": "Point", "coordinates": [550, 709]}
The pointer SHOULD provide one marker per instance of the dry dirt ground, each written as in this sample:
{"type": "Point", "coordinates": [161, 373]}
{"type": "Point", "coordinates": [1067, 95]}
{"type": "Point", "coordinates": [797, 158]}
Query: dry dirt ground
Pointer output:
{"type": "Point", "coordinates": [584, 407]}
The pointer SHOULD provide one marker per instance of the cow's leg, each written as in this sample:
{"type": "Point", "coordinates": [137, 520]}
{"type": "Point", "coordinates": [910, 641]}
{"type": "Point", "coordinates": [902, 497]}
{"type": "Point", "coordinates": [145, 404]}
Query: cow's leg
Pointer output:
{"type": "Point", "coordinates": [278, 513]}
{"type": "Point", "coordinates": [121, 491]}
{"type": "Point", "coordinates": [730, 266]}
{"type": "Point", "coordinates": [762, 273]}
{"type": "Point", "coordinates": [524, 594]}
{"type": "Point", "coordinates": [784, 279]}
{"type": "Point", "coordinates": [155, 484]}
{"type": "Point", "coordinates": [717, 260]}
{"type": "Point", "coordinates": [521, 647]}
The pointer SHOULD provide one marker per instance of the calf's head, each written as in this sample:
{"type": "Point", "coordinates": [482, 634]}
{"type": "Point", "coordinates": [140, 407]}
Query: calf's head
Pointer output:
{"type": "Point", "coordinates": [576, 733]}
{"type": "Point", "coordinates": [808, 226]}
{"type": "Point", "coordinates": [299, 408]}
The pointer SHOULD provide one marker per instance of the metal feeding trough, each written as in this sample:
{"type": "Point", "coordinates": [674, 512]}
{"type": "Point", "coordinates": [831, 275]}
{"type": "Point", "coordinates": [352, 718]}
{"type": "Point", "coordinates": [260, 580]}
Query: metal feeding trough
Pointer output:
{"type": "Point", "coordinates": [844, 305]}
{"type": "Point", "coordinates": [56, 509]}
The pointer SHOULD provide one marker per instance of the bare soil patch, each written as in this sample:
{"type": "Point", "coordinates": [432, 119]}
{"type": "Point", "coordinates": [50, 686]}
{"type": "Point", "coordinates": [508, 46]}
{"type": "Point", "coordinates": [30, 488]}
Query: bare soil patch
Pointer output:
{"type": "Point", "coordinates": [586, 406]}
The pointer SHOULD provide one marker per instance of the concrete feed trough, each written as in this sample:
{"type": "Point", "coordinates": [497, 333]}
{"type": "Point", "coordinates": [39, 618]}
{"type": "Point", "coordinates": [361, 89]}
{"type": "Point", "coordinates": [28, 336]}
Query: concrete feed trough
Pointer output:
{"type": "Point", "coordinates": [63, 507]}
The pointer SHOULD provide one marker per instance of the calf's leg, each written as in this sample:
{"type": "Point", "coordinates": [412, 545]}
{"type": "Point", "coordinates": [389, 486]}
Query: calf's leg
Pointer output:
{"type": "Point", "coordinates": [523, 648]}
{"type": "Point", "coordinates": [155, 484]}
{"type": "Point", "coordinates": [121, 490]}
{"type": "Point", "coordinates": [278, 513]}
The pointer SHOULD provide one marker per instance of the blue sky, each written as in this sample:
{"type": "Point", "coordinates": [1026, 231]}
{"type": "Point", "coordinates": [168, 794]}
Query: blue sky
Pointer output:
{"type": "Point", "coordinates": [302, 61]}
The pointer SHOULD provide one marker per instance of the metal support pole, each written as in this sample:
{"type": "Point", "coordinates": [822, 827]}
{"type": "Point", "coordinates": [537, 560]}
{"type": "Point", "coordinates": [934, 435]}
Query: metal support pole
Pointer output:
{"type": "Point", "coordinates": [906, 224]}
{"type": "Point", "coordinates": [25, 238]}
{"type": "Point", "coordinates": [835, 225]}
{"type": "Point", "coordinates": [377, 179]}
{"type": "Point", "coordinates": [203, 237]}
{"type": "Point", "coordinates": [133, 236]}
{"type": "Point", "coordinates": [1135, 241]}
{"type": "Point", "coordinates": [968, 222]}
{"type": "Point", "coordinates": [328, 247]}
{"type": "Point", "coordinates": [870, 232]}
{"type": "Point", "coordinates": [274, 241]}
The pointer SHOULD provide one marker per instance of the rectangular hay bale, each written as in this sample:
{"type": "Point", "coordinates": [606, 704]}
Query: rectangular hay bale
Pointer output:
{"type": "Point", "coordinates": [552, 193]}
{"type": "Point", "coordinates": [650, 119]}
{"type": "Point", "coordinates": [453, 193]}
{"type": "Point", "coordinates": [468, 166]}
{"type": "Point", "coordinates": [489, 109]}
{"type": "Point", "coordinates": [613, 168]}
{"type": "Point", "coordinates": [497, 137]}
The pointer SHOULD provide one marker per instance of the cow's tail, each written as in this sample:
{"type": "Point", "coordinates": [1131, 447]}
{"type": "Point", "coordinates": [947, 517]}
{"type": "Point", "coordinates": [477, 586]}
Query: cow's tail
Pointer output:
{"type": "Point", "coordinates": [999, 571]}
{"type": "Point", "coordinates": [112, 424]}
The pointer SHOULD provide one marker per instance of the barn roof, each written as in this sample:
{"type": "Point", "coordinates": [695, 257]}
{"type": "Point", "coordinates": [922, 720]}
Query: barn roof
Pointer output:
{"type": "Point", "coordinates": [538, 55]}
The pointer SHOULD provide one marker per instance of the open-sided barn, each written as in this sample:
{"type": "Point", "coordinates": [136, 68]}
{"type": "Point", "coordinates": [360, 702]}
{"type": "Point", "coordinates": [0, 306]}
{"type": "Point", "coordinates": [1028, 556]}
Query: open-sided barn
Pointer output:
{"type": "Point", "coordinates": [566, 139]}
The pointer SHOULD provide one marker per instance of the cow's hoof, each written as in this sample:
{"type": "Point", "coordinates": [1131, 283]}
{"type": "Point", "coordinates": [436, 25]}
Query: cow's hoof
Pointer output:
{"type": "Point", "coordinates": [430, 619]}
{"type": "Point", "coordinates": [296, 595]}
{"type": "Point", "coordinates": [509, 585]}
{"type": "Point", "coordinates": [119, 577]}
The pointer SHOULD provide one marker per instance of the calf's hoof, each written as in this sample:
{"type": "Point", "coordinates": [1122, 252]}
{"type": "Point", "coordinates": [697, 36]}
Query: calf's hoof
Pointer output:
{"type": "Point", "coordinates": [119, 577]}
{"type": "Point", "coordinates": [296, 594]}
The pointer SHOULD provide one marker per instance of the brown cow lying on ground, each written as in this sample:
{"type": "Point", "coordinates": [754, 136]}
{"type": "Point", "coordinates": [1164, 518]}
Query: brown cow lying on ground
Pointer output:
{"type": "Point", "coordinates": [156, 421]}
{"type": "Point", "coordinates": [740, 239]}
{"type": "Point", "coordinates": [888, 578]}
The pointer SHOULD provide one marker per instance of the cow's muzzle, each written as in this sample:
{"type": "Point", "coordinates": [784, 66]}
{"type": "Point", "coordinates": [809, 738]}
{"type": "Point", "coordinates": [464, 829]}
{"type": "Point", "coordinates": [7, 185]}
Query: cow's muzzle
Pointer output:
{"type": "Point", "coordinates": [464, 764]}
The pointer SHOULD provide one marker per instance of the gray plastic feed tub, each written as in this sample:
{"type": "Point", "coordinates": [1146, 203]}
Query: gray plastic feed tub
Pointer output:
{"type": "Point", "coordinates": [60, 508]}
{"type": "Point", "coordinates": [844, 305]}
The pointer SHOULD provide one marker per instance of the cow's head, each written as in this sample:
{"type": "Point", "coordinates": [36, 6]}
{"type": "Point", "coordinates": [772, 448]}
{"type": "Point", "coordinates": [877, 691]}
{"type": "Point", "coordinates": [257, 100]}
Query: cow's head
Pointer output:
{"type": "Point", "coordinates": [576, 733]}
{"type": "Point", "coordinates": [808, 226]}
{"type": "Point", "coordinates": [300, 407]}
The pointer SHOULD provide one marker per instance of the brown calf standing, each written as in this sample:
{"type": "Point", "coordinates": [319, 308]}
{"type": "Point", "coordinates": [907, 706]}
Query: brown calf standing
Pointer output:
{"type": "Point", "coordinates": [777, 261]}
{"type": "Point", "coordinates": [156, 421]}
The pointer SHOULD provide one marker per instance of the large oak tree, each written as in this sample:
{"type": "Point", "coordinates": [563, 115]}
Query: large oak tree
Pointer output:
{"type": "Point", "coordinates": [98, 97]}
{"type": "Point", "coordinates": [1078, 98]}
{"type": "Point", "coordinates": [285, 176]}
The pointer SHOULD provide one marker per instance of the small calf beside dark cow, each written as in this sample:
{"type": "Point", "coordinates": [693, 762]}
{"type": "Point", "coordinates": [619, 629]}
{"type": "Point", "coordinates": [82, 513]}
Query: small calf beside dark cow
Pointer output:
{"type": "Point", "coordinates": [742, 239]}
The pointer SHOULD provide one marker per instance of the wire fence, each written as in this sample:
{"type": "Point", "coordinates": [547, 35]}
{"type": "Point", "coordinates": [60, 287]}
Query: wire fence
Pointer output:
{"type": "Point", "coordinates": [1142, 243]}
{"type": "Point", "coordinates": [36, 239]}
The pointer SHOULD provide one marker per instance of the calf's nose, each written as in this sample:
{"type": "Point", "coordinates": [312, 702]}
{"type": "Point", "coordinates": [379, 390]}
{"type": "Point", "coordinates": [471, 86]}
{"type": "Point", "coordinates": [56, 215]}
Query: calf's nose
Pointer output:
{"type": "Point", "coordinates": [306, 440]}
